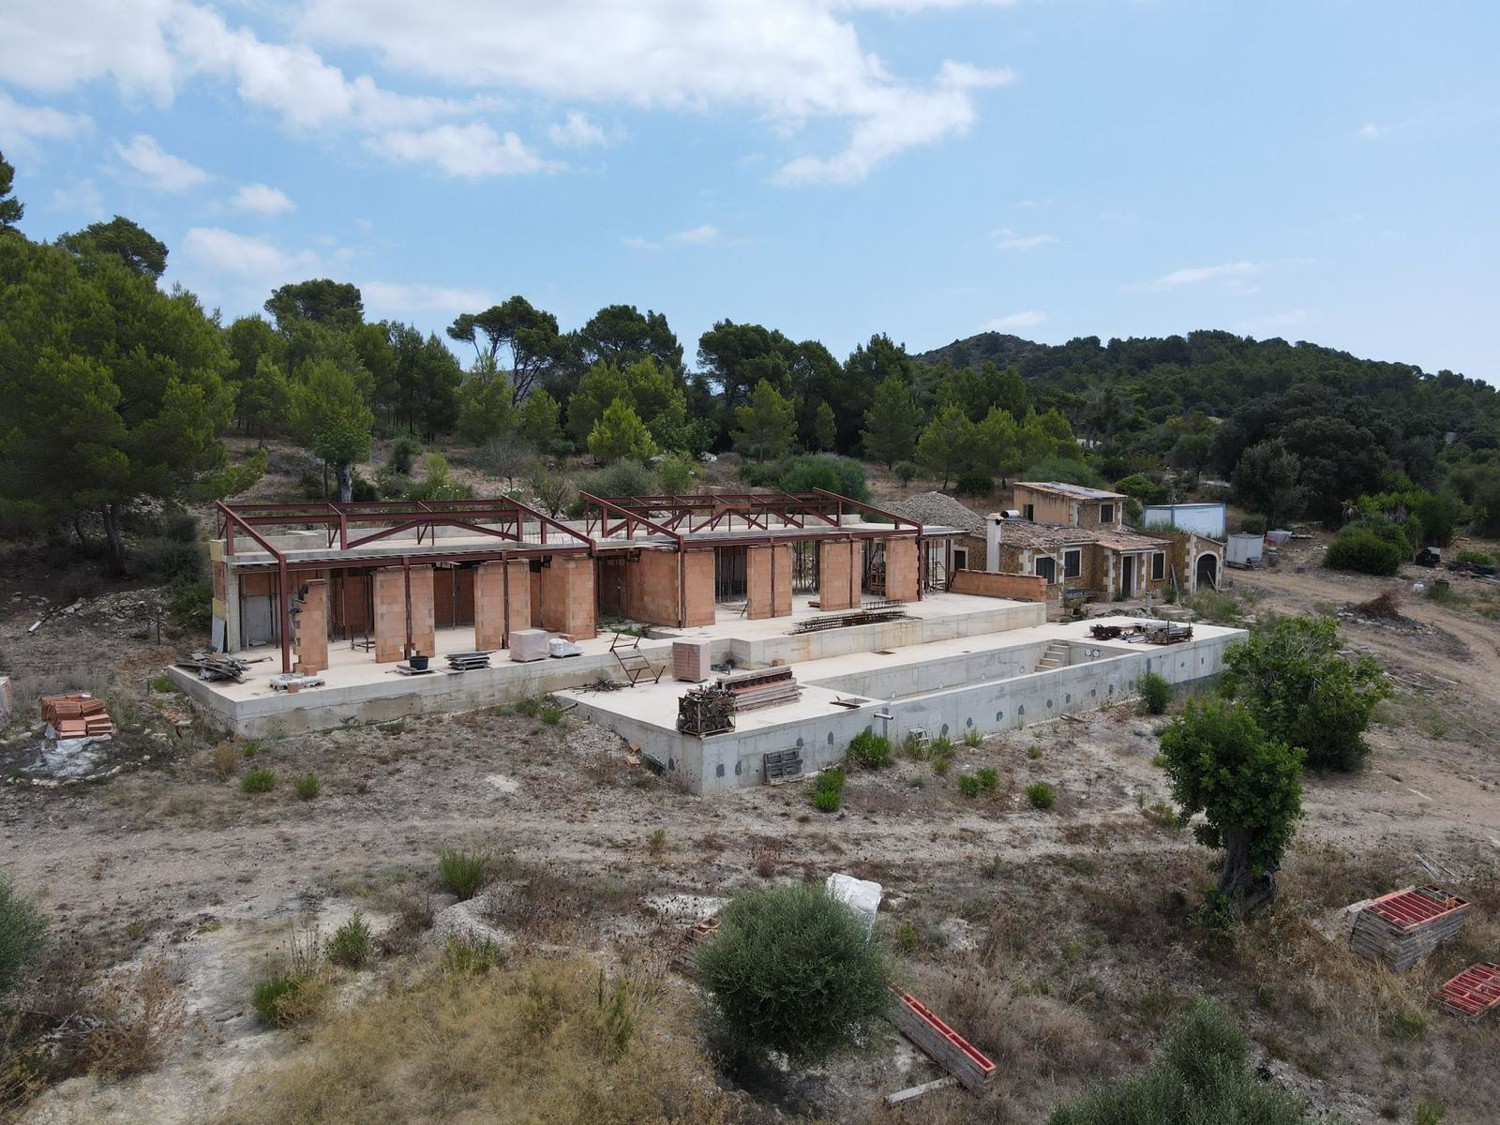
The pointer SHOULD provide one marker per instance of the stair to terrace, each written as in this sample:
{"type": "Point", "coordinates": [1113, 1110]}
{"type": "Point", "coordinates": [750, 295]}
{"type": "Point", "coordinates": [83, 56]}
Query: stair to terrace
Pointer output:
{"type": "Point", "coordinates": [1056, 656]}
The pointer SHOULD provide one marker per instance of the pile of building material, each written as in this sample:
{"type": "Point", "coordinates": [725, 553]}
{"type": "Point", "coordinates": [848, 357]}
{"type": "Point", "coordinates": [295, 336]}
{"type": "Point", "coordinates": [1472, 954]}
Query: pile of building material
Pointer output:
{"type": "Point", "coordinates": [1403, 927]}
{"type": "Point", "coordinates": [77, 715]}
{"type": "Point", "coordinates": [705, 711]}
{"type": "Point", "coordinates": [468, 661]}
{"type": "Point", "coordinates": [1473, 992]}
{"type": "Point", "coordinates": [214, 667]}
{"type": "Point", "coordinates": [956, 1054]}
{"type": "Point", "coordinates": [691, 661]}
{"type": "Point", "coordinates": [765, 687]}
{"type": "Point", "coordinates": [846, 620]}
{"type": "Point", "coordinates": [293, 682]}
{"type": "Point", "coordinates": [527, 645]}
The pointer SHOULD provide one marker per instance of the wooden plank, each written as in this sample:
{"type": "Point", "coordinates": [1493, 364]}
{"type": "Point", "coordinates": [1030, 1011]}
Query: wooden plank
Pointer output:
{"type": "Point", "coordinates": [917, 1091]}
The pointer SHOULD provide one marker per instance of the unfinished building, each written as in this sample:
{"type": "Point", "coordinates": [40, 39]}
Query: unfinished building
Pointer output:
{"type": "Point", "coordinates": [332, 613]}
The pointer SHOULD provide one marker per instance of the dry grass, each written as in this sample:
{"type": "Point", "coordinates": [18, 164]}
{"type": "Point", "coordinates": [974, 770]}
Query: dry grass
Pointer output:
{"type": "Point", "coordinates": [547, 1041]}
{"type": "Point", "coordinates": [142, 1016]}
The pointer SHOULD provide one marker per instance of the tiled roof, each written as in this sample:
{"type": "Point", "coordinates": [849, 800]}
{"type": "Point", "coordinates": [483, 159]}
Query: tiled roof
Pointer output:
{"type": "Point", "coordinates": [1024, 533]}
{"type": "Point", "coordinates": [939, 509]}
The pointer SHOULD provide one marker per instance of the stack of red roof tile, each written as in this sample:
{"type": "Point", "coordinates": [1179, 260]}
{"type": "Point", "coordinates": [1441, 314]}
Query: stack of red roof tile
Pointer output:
{"type": "Point", "coordinates": [76, 715]}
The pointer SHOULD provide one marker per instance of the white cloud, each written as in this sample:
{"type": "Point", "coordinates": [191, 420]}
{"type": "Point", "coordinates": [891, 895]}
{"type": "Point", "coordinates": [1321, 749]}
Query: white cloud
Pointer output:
{"type": "Point", "coordinates": [1198, 275]}
{"type": "Point", "coordinates": [468, 152]}
{"type": "Point", "coordinates": [1373, 132]}
{"type": "Point", "coordinates": [262, 199]}
{"type": "Point", "coordinates": [403, 297]}
{"type": "Point", "coordinates": [1008, 239]}
{"type": "Point", "coordinates": [636, 242]}
{"type": "Point", "coordinates": [224, 252]}
{"type": "Point", "coordinates": [698, 235]}
{"type": "Point", "coordinates": [787, 62]}
{"type": "Point", "coordinates": [577, 131]}
{"type": "Point", "coordinates": [160, 168]}
{"type": "Point", "coordinates": [22, 125]}
{"type": "Point", "coordinates": [1027, 318]}
{"type": "Point", "coordinates": [1273, 323]}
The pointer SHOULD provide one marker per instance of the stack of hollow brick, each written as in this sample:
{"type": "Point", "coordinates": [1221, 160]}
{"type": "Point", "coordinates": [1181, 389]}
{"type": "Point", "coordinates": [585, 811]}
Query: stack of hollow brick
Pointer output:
{"type": "Point", "coordinates": [690, 661]}
{"type": "Point", "coordinates": [77, 715]}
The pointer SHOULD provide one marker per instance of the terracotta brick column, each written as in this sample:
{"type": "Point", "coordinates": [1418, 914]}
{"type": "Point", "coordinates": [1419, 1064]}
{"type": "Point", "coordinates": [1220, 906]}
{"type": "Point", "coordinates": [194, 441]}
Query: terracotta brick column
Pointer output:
{"type": "Point", "coordinates": [422, 640]}
{"type": "Point", "coordinates": [311, 637]}
{"type": "Point", "coordinates": [838, 576]}
{"type": "Point", "coordinates": [769, 581]}
{"type": "Point", "coordinates": [568, 605]}
{"type": "Point", "coordinates": [390, 615]}
{"type": "Point", "coordinates": [901, 578]}
{"type": "Point", "coordinates": [698, 585]}
{"type": "Point", "coordinates": [518, 608]}
{"type": "Point", "coordinates": [489, 606]}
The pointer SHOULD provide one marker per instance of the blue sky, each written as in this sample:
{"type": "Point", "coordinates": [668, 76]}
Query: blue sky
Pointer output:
{"type": "Point", "coordinates": [1323, 170]}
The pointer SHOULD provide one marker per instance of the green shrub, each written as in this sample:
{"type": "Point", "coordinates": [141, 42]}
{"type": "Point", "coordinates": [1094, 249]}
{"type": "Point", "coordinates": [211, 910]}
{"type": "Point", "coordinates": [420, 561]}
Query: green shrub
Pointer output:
{"type": "Point", "coordinates": [1253, 525]}
{"type": "Point", "coordinates": [258, 781]}
{"type": "Point", "coordinates": [906, 471]}
{"type": "Point", "coordinates": [1034, 752]}
{"type": "Point", "coordinates": [403, 453]}
{"type": "Point", "coordinates": [623, 478]}
{"type": "Point", "coordinates": [1204, 1074]}
{"type": "Point", "coordinates": [989, 779]}
{"type": "Point", "coordinates": [968, 785]}
{"type": "Point", "coordinates": [1474, 558]}
{"type": "Point", "coordinates": [974, 483]}
{"type": "Point", "coordinates": [828, 791]}
{"type": "Point", "coordinates": [1364, 553]}
{"type": "Point", "coordinates": [791, 970]}
{"type": "Point", "coordinates": [529, 707]}
{"type": "Point", "coordinates": [973, 739]}
{"type": "Point", "coordinates": [23, 933]}
{"type": "Point", "coordinates": [191, 603]}
{"type": "Point", "coordinates": [166, 561]}
{"type": "Point", "coordinates": [163, 684]}
{"type": "Point", "coordinates": [283, 999]}
{"type": "Point", "coordinates": [870, 751]}
{"type": "Point", "coordinates": [308, 787]}
{"type": "Point", "coordinates": [463, 872]}
{"type": "Point", "coordinates": [842, 475]}
{"type": "Point", "coordinates": [471, 959]}
{"type": "Point", "coordinates": [657, 842]}
{"type": "Point", "coordinates": [1040, 794]}
{"type": "Point", "coordinates": [551, 714]}
{"type": "Point", "coordinates": [351, 944]}
{"type": "Point", "coordinates": [1142, 489]}
{"type": "Point", "coordinates": [1156, 693]}
{"type": "Point", "coordinates": [915, 747]}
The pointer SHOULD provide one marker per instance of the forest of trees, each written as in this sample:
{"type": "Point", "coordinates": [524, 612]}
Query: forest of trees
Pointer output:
{"type": "Point", "coordinates": [113, 391]}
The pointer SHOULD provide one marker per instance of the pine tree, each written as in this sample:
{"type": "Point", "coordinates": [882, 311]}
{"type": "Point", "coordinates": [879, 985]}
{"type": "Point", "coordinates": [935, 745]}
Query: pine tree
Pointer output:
{"type": "Point", "coordinates": [891, 422]}
{"type": "Point", "coordinates": [767, 424]}
{"type": "Point", "coordinates": [948, 444]}
{"type": "Point", "coordinates": [620, 435]}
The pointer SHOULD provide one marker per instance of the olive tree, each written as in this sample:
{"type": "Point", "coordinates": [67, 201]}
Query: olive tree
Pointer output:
{"type": "Point", "coordinates": [1246, 783]}
{"type": "Point", "coordinates": [1292, 678]}
{"type": "Point", "coordinates": [793, 971]}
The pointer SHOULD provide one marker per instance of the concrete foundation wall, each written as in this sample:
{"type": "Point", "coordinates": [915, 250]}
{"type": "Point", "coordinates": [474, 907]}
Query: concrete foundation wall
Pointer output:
{"type": "Point", "coordinates": [906, 680]}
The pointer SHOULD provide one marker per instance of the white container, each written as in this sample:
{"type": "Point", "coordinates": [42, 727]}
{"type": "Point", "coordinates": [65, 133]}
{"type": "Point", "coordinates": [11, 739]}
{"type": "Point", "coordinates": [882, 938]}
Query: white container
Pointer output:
{"type": "Point", "coordinates": [1245, 549]}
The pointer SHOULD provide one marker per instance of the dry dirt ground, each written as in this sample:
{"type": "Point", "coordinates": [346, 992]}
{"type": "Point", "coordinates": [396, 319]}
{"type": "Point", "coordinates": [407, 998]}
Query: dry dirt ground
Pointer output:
{"type": "Point", "coordinates": [1061, 942]}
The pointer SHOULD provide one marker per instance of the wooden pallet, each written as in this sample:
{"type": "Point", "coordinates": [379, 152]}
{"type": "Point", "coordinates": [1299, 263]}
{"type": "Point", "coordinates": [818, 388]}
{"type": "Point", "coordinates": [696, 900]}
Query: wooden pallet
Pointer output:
{"type": "Point", "coordinates": [1403, 927]}
{"type": "Point", "coordinates": [1473, 992]}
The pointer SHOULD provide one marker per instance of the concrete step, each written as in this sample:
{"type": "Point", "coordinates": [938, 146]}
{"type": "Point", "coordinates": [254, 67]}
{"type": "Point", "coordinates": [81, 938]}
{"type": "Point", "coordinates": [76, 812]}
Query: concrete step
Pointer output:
{"type": "Point", "coordinates": [1056, 656]}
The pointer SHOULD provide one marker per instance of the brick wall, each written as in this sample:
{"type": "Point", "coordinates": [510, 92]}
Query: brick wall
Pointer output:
{"type": "Point", "coordinates": [1017, 587]}
{"type": "Point", "coordinates": [422, 640]}
{"type": "Point", "coordinates": [901, 578]}
{"type": "Point", "coordinates": [489, 606]}
{"type": "Point", "coordinates": [311, 636]}
{"type": "Point", "coordinates": [390, 615]}
{"type": "Point", "coordinates": [568, 602]}
{"type": "Point", "coordinates": [698, 582]}
{"type": "Point", "coordinates": [838, 576]}
{"type": "Point", "coordinates": [651, 588]}
{"type": "Point", "coordinates": [769, 581]}
{"type": "Point", "coordinates": [521, 581]}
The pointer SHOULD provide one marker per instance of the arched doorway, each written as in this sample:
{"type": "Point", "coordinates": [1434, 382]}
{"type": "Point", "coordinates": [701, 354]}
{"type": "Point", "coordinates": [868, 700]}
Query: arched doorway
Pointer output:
{"type": "Point", "coordinates": [1208, 572]}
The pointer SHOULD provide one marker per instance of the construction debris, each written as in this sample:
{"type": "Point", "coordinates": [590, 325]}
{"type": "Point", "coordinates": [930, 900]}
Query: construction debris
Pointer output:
{"type": "Point", "coordinates": [77, 715]}
{"type": "Point", "coordinates": [956, 1054]}
{"type": "Point", "coordinates": [1473, 992]}
{"type": "Point", "coordinates": [293, 682]}
{"type": "Point", "coordinates": [765, 687]}
{"type": "Point", "coordinates": [213, 667]}
{"type": "Point", "coordinates": [706, 711]}
{"type": "Point", "coordinates": [692, 938]}
{"type": "Point", "coordinates": [1403, 927]}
